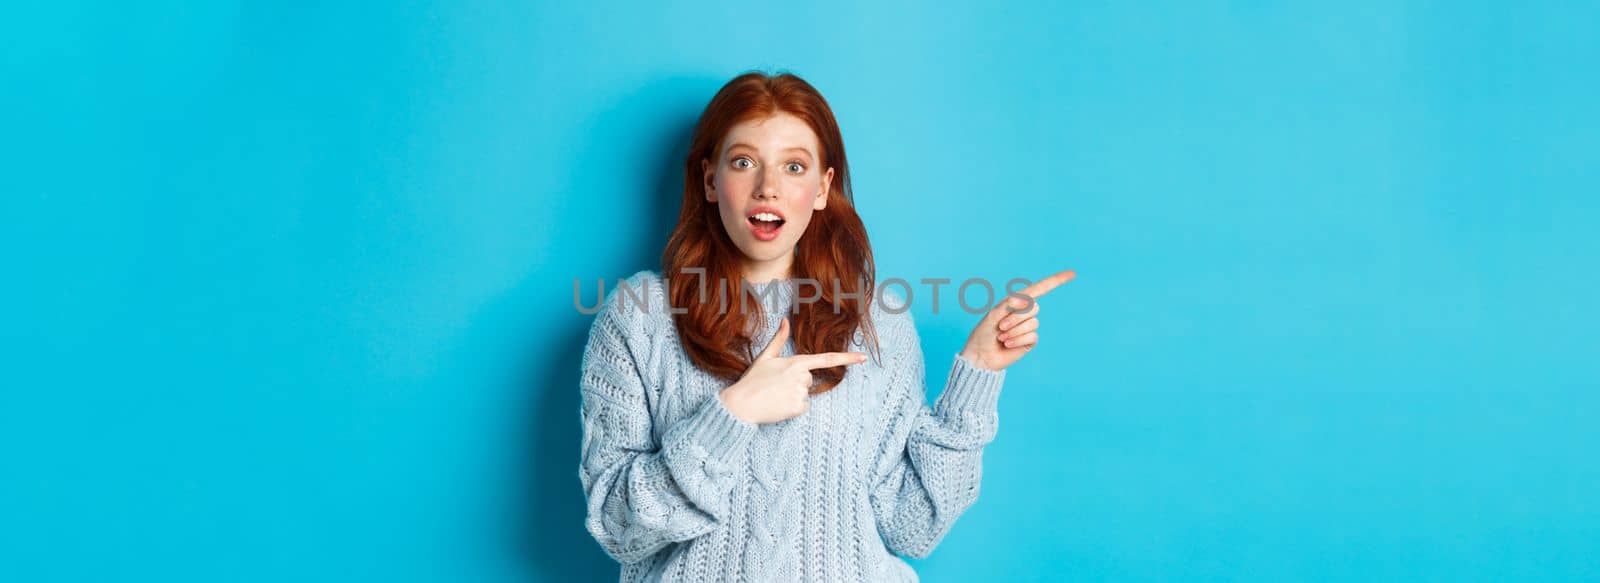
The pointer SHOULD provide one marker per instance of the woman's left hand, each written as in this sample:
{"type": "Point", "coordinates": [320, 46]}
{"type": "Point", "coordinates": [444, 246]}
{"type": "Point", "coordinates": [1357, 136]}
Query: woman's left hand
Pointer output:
{"type": "Point", "coordinates": [1002, 337]}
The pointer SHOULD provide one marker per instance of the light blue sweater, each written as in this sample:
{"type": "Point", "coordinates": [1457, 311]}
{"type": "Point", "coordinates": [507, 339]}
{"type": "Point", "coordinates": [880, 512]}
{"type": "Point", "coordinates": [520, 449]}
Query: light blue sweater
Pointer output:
{"type": "Point", "coordinates": [679, 489]}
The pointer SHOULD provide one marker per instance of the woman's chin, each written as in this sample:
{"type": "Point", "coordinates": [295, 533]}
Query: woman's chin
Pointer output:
{"type": "Point", "coordinates": [765, 251]}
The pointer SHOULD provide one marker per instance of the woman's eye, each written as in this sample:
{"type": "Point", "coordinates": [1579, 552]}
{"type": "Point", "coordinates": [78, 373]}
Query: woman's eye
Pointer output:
{"type": "Point", "coordinates": [796, 167]}
{"type": "Point", "coordinates": [742, 163]}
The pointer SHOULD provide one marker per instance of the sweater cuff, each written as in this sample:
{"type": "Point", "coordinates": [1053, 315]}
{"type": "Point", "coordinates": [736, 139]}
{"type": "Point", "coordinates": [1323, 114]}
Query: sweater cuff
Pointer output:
{"type": "Point", "coordinates": [717, 431]}
{"type": "Point", "coordinates": [971, 388]}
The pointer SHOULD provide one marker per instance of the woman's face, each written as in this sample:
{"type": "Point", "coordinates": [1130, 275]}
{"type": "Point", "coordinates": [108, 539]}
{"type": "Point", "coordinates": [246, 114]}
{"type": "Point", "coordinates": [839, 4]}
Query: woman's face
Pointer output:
{"type": "Point", "coordinates": [766, 183]}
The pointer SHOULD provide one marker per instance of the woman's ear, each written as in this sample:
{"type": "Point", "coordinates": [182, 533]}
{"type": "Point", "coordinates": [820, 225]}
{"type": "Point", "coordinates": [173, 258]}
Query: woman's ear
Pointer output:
{"type": "Point", "coordinates": [822, 195]}
{"type": "Point", "coordinates": [710, 180]}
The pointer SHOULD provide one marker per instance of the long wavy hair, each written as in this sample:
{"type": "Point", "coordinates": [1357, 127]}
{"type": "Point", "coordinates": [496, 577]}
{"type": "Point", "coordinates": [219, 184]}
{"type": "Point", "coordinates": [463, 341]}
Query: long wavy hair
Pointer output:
{"type": "Point", "coordinates": [834, 248]}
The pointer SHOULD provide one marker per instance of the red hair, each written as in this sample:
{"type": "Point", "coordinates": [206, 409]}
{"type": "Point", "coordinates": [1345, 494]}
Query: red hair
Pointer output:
{"type": "Point", "coordinates": [834, 247]}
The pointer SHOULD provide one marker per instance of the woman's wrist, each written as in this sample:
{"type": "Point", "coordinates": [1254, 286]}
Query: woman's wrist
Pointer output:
{"type": "Point", "coordinates": [976, 361]}
{"type": "Point", "coordinates": [730, 404]}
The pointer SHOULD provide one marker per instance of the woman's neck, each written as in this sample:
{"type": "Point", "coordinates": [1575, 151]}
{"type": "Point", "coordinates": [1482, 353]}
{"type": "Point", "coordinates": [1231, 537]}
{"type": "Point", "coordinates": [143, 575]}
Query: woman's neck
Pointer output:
{"type": "Point", "coordinates": [765, 271]}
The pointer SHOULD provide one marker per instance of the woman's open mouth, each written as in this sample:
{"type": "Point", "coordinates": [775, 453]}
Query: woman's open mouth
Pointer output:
{"type": "Point", "coordinates": [765, 224]}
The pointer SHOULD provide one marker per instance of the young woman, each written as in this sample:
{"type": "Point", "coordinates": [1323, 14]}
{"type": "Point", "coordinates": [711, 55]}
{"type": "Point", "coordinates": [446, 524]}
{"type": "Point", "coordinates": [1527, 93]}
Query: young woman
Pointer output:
{"type": "Point", "coordinates": [734, 425]}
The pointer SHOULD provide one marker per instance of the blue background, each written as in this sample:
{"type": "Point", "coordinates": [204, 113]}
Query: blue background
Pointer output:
{"type": "Point", "coordinates": [289, 289]}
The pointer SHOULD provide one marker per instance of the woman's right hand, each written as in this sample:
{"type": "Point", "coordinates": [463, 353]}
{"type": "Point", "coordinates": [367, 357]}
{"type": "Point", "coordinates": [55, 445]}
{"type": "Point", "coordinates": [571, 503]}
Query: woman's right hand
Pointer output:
{"type": "Point", "coordinates": [776, 388]}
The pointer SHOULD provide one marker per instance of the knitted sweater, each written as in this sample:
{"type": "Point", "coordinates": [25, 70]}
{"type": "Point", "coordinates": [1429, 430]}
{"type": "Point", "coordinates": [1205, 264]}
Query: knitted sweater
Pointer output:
{"type": "Point", "coordinates": [679, 489]}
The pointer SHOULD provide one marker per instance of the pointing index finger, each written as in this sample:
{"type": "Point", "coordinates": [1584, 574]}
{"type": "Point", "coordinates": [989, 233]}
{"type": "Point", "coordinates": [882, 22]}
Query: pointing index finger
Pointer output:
{"type": "Point", "coordinates": [829, 359]}
{"type": "Point", "coordinates": [1043, 286]}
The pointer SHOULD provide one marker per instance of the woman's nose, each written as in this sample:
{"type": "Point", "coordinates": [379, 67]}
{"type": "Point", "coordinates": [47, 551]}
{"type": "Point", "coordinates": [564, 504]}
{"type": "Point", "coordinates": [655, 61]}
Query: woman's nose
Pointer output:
{"type": "Point", "coordinates": [767, 187]}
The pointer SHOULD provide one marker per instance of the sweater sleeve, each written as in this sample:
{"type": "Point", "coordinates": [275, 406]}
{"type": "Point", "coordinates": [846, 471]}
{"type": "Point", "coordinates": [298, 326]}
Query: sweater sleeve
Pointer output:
{"type": "Point", "coordinates": [643, 495]}
{"type": "Point", "coordinates": [931, 461]}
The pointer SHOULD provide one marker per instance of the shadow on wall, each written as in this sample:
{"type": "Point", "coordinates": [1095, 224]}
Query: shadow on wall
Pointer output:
{"type": "Point", "coordinates": [658, 120]}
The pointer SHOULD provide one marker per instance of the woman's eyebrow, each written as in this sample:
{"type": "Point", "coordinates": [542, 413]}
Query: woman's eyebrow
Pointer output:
{"type": "Point", "coordinates": [734, 145]}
